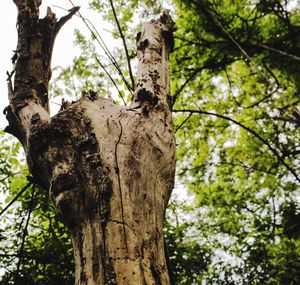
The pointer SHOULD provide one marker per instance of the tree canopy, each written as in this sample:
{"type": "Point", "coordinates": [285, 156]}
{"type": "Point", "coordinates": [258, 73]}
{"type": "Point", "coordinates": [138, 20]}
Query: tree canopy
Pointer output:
{"type": "Point", "coordinates": [235, 99]}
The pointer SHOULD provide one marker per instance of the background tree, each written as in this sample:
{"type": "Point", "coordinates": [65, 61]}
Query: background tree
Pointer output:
{"type": "Point", "coordinates": [237, 93]}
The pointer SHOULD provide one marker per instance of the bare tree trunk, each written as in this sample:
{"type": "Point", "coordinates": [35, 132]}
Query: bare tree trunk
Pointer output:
{"type": "Point", "coordinates": [109, 169]}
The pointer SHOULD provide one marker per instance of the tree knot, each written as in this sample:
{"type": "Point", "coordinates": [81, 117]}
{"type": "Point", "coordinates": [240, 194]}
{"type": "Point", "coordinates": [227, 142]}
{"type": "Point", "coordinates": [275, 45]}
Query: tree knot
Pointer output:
{"type": "Point", "coordinates": [91, 95]}
{"type": "Point", "coordinates": [144, 95]}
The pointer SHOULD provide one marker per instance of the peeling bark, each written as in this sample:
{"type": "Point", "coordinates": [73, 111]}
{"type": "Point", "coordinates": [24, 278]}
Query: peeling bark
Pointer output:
{"type": "Point", "coordinates": [109, 169]}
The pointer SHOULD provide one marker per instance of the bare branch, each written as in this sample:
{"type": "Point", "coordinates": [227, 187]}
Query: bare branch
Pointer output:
{"type": "Point", "coordinates": [112, 80]}
{"type": "Point", "coordinates": [102, 44]}
{"type": "Point", "coordinates": [8, 175]}
{"type": "Point", "coordinates": [16, 198]}
{"type": "Point", "coordinates": [66, 18]}
{"type": "Point", "coordinates": [234, 164]}
{"type": "Point", "coordinates": [235, 42]}
{"type": "Point", "coordinates": [270, 94]}
{"type": "Point", "coordinates": [183, 122]}
{"type": "Point", "coordinates": [28, 98]}
{"type": "Point", "coordinates": [190, 78]}
{"type": "Point", "coordinates": [280, 52]}
{"type": "Point", "coordinates": [124, 43]}
{"type": "Point", "coordinates": [255, 134]}
{"type": "Point", "coordinates": [25, 231]}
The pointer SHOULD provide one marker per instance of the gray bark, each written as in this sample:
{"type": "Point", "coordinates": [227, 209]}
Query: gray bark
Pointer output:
{"type": "Point", "coordinates": [109, 169]}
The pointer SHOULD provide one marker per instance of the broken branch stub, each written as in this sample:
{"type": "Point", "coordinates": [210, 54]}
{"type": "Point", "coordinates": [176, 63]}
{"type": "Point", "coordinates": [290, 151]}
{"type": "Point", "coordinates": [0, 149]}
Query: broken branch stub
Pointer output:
{"type": "Point", "coordinates": [32, 65]}
{"type": "Point", "coordinates": [154, 44]}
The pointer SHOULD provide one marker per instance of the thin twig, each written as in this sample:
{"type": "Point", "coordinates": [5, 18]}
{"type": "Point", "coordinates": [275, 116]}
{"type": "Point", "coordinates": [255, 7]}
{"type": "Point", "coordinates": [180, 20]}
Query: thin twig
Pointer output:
{"type": "Point", "coordinates": [112, 80]}
{"type": "Point", "coordinates": [232, 39]}
{"type": "Point", "coordinates": [270, 94]}
{"type": "Point", "coordinates": [250, 168]}
{"type": "Point", "coordinates": [64, 19]}
{"type": "Point", "coordinates": [230, 86]}
{"type": "Point", "coordinates": [255, 134]}
{"type": "Point", "coordinates": [43, 258]}
{"type": "Point", "coordinates": [51, 229]}
{"type": "Point", "coordinates": [116, 35]}
{"type": "Point", "coordinates": [110, 56]}
{"type": "Point", "coordinates": [100, 41]}
{"type": "Point", "coordinates": [72, 69]}
{"type": "Point", "coordinates": [9, 175]}
{"type": "Point", "coordinates": [183, 122]}
{"type": "Point", "coordinates": [16, 197]}
{"type": "Point", "coordinates": [242, 50]}
{"type": "Point", "coordinates": [124, 43]}
{"type": "Point", "coordinates": [24, 235]}
{"type": "Point", "coordinates": [191, 77]}
{"type": "Point", "coordinates": [280, 52]}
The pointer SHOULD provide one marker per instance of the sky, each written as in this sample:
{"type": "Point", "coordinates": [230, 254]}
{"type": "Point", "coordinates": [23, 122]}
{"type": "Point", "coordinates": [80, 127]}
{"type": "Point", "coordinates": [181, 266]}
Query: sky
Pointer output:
{"type": "Point", "coordinates": [63, 52]}
{"type": "Point", "coordinates": [8, 35]}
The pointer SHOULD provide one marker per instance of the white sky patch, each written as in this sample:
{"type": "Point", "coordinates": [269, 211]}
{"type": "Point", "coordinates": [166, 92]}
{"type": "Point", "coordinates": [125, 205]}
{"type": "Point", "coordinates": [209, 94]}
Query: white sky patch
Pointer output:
{"type": "Point", "coordinates": [282, 138]}
{"type": "Point", "coordinates": [182, 194]}
{"type": "Point", "coordinates": [274, 113]}
{"type": "Point", "coordinates": [291, 5]}
{"type": "Point", "coordinates": [262, 193]}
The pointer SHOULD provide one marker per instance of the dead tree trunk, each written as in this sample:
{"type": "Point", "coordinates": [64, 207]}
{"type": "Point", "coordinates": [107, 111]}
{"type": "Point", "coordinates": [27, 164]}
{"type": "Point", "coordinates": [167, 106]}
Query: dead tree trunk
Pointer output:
{"type": "Point", "coordinates": [109, 169]}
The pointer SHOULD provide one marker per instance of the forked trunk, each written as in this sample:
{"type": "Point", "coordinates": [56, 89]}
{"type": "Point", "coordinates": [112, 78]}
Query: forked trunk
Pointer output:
{"type": "Point", "coordinates": [109, 169]}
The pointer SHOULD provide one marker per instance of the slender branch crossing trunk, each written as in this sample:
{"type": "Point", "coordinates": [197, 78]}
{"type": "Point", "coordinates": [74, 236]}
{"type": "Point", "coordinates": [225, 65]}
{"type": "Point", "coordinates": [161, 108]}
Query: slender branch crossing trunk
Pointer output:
{"type": "Point", "coordinates": [109, 169]}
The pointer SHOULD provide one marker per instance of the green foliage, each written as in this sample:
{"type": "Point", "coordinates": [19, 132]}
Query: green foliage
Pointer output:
{"type": "Point", "coordinates": [41, 252]}
{"type": "Point", "coordinates": [236, 64]}
{"type": "Point", "coordinates": [188, 257]}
